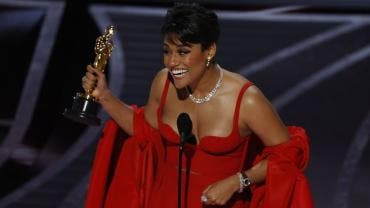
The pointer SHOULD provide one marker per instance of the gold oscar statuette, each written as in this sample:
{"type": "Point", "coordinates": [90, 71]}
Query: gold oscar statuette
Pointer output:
{"type": "Point", "coordinates": [84, 107]}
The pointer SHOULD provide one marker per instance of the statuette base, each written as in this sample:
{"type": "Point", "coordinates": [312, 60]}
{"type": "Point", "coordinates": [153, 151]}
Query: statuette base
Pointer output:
{"type": "Point", "coordinates": [84, 110]}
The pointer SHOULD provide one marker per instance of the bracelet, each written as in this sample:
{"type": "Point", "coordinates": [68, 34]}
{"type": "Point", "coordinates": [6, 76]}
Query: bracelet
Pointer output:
{"type": "Point", "coordinates": [244, 181]}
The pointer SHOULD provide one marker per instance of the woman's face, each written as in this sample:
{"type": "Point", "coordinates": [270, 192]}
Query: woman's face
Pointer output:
{"type": "Point", "coordinates": [186, 62]}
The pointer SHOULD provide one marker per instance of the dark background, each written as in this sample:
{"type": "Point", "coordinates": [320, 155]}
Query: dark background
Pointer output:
{"type": "Point", "coordinates": [310, 58]}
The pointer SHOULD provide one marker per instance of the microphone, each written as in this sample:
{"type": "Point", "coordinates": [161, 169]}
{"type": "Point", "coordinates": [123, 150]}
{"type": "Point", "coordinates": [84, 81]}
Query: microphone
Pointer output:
{"type": "Point", "coordinates": [184, 126]}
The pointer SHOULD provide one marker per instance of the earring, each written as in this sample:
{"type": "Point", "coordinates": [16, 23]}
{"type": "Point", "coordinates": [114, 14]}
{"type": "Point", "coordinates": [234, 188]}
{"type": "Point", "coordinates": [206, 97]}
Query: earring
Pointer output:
{"type": "Point", "coordinates": [208, 62]}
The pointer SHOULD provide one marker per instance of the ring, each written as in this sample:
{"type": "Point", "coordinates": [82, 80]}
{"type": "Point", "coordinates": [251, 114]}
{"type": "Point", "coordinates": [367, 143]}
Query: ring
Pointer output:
{"type": "Point", "coordinates": [204, 199]}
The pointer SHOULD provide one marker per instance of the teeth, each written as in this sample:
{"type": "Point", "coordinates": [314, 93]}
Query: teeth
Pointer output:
{"type": "Point", "coordinates": [179, 72]}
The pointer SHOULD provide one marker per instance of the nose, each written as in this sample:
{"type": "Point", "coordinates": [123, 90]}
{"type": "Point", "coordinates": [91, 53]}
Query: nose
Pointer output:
{"type": "Point", "coordinates": [173, 60]}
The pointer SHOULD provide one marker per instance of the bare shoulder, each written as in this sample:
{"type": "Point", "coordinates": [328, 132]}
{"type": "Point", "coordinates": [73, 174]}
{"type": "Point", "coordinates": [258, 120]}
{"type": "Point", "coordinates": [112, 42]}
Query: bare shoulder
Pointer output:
{"type": "Point", "coordinates": [252, 97]}
{"type": "Point", "coordinates": [260, 116]}
{"type": "Point", "coordinates": [257, 114]}
{"type": "Point", "coordinates": [158, 83]}
{"type": "Point", "coordinates": [154, 97]}
{"type": "Point", "coordinates": [234, 81]}
{"type": "Point", "coordinates": [161, 76]}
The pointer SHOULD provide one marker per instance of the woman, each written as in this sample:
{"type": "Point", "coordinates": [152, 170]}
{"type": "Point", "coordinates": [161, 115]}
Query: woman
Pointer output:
{"type": "Point", "coordinates": [227, 112]}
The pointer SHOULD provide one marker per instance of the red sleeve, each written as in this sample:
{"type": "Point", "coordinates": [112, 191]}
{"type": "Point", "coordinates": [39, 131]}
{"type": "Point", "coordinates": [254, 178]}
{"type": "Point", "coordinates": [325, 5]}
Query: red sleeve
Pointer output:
{"type": "Point", "coordinates": [133, 173]}
{"type": "Point", "coordinates": [285, 184]}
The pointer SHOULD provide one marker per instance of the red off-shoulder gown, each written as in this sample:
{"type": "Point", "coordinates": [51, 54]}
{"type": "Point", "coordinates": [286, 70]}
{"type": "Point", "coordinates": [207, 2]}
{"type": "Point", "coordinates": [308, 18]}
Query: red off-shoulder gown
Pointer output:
{"type": "Point", "coordinates": [145, 173]}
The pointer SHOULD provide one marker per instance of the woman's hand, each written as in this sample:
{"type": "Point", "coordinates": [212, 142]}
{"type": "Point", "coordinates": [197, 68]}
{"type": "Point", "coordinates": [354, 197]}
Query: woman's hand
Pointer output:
{"type": "Point", "coordinates": [220, 192]}
{"type": "Point", "coordinates": [95, 83]}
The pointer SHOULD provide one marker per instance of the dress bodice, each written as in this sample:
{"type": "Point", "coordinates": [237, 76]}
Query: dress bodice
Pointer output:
{"type": "Point", "coordinates": [210, 144]}
{"type": "Point", "coordinates": [214, 158]}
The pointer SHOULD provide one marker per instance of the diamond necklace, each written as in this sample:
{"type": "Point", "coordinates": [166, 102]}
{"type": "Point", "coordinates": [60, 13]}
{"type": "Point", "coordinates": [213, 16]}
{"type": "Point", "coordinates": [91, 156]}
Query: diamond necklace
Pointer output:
{"type": "Point", "coordinates": [210, 94]}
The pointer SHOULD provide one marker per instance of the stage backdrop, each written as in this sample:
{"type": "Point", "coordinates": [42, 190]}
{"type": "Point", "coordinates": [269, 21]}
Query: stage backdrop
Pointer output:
{"type": "Point", "coordinates": [311, 61]}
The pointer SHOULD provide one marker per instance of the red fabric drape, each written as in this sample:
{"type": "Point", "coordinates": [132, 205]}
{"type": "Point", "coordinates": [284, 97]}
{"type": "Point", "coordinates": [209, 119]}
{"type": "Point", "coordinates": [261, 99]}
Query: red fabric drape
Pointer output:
{"type": "Point", "coordinates": [135, 170]}
{"type": "Point", "coordinates": [100, 169]}
{"type": "Point", "coordinates": [142, 155]}
{"type": "Point", "coordinates": [285, 184]}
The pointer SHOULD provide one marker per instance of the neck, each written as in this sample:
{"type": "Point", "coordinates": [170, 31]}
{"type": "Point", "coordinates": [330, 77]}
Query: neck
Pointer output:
{"type": "Point", "coordinates": [206, 82]}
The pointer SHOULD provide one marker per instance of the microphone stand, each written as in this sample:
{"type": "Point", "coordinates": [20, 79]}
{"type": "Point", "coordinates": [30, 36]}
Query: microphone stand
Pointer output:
{"type": "Point", "coordinates": [179, 181]}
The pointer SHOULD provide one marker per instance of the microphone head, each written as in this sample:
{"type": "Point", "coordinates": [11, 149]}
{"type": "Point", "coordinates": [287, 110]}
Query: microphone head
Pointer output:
{"type": "Point", "coordinates": [184, 124]}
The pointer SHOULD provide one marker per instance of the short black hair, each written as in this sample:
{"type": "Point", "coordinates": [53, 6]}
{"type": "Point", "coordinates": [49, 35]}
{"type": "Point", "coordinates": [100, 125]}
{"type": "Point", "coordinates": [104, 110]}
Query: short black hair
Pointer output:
{"type": "Point", "coordinates": [192, 23]}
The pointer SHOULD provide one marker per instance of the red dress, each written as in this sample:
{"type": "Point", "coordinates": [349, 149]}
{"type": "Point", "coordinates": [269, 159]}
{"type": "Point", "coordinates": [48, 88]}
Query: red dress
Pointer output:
{"type": "Point", "coordinates": [213, 159]}
{"type": "Point", "coordinates": [144, 175]}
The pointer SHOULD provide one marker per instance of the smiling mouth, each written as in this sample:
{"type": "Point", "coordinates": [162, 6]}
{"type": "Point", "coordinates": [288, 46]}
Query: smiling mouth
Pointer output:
{"type": "Point", "coordinates": [179, 73]}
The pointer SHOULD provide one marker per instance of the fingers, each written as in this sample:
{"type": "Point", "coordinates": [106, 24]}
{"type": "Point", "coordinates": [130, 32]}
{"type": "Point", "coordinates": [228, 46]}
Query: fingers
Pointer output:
{"type": "Point", "coordinates": [208, 198]}
{"type": "Point", "coordinates": [94, 82]}
{"type": "Point", "coordinates": [212, 201]}
{"type": "Point", "coordinates": [212, 197]}
{"type": "Point", "coordinates": [89, 82]}
{"type": "Point", "coordinates": [95, 71]}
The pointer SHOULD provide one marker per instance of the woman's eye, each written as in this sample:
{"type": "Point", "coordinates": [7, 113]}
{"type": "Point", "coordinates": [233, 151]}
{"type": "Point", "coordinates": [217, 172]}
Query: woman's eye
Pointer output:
{"type": "Point", "coordinates": [165, 51]}
{"type": "Point", "coordinates": [183, 52]}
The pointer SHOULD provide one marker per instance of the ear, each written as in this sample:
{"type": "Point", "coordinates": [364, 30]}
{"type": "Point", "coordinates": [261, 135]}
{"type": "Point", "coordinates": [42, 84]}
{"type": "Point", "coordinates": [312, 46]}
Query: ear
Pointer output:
{"type": "Point", "coordinates": [212, 50]}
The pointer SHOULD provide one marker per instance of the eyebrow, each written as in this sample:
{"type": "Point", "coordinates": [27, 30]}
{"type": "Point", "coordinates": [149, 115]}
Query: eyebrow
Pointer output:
{"type": "Point", "coordinates": [178, 45]}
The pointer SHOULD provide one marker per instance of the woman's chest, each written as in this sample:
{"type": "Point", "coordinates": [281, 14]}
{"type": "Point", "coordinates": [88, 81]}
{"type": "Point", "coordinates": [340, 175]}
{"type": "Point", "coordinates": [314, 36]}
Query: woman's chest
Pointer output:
{"type": "Point", "coordinates": [207, 120]}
